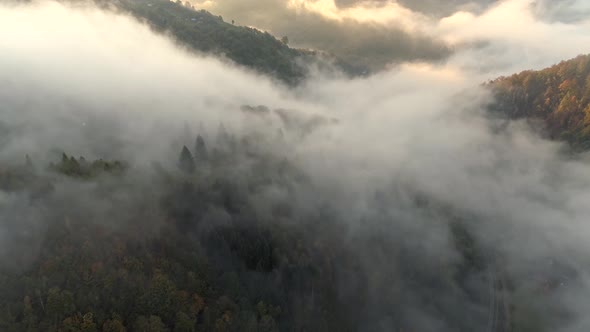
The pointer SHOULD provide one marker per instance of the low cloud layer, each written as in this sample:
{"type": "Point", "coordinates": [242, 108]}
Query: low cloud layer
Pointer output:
{"type": "Point", "coordinates": [321, 26]}
{"type": "Point", "coordinates": [378, 33]}
{"type": "Point", "coordinates": [111, 88]}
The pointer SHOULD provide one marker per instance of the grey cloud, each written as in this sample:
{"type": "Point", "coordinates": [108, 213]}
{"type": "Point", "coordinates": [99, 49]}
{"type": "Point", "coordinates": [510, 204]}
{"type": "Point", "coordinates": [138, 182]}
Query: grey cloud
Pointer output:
{"type": "Point", "coordinates": [433, 8]}
{"type": "Point", "coordinates": [360, 43]}
{"type": "Point", "coordinates": [378, 45]}
{"type": "Point", "coordinates": [567, 11]}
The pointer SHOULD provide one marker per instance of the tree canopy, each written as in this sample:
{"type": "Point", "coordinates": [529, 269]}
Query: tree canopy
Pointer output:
{"type": "Point", "coordinates": [559, 96]}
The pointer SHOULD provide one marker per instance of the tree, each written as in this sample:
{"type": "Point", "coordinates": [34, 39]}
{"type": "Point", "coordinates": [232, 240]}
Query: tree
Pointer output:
{"type": "Point", "coordinates": [79, 323]}
{"type": "Point", "coordinates": [113, 325]}
{"type": "Point", "coordinates": [88, 324]}
{"type": "Point", "coordinates": [29, 317]}
{"type": "Point", "coordinates": [285, 40]}
{"type": "Point", "coordinates": [159, 298]}
{"type": "Point", "coordinates": [60, 304]}
{"type": "Point", "coordinates": [186, 161]}
{"type": "Point", "coordinates": [151, 324]}
{"type": "Point", "coordinates": [200, 148]}
{"type": "Point", "coordinates": [184, 323]}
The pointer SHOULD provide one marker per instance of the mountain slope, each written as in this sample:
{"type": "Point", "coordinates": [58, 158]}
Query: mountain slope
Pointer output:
{"type": "Point", "coordinates": [205, 32]}
{"type": "Point", "coordinates": [559, 96]}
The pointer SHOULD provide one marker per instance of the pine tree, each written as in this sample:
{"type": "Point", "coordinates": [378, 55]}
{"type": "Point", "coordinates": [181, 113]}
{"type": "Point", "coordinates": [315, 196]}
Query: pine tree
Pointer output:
{"type": "Point", "coordinates": [186, 162]}
{"type": "Point", "coordinates": [200, 148]}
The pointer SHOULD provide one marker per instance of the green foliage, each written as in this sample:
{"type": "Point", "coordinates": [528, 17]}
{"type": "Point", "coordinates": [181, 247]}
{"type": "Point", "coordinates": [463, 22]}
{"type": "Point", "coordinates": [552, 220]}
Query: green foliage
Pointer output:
{"type": "Point", "coordinates": [150, 324]}
{"type": "Point", "coordinates": [79, 323]}
{"type": "Point", "coordinates": [80, 168]}
{"type": "Point", "coordinates": [186, 162]}
{"type": "Point", "coordinates": [204, 32]}
{"type": "Point", "coordinates": [184, 323]}
{"type": "Point", "coordinates": [30, 319]}
{"type": "Point", "coordinates": [201, 149]}
{"type": "Point", "coordinates": [60, 304]}
{"type": "Point", "coordinates": [113, 325]}
{"type": "Point", "coordinates": [159, 298]}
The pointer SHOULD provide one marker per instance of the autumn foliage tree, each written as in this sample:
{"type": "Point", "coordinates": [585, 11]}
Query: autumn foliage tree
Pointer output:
{"type": "Point", "coordinates": [559, 96]}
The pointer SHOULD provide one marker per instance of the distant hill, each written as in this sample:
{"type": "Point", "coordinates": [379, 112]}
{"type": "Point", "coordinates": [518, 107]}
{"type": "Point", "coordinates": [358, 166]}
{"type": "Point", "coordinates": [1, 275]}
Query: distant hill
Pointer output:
{"type": "Point", "coordinates": [249, 47]}
{"type": "Point", "coordinates": [559, 96]}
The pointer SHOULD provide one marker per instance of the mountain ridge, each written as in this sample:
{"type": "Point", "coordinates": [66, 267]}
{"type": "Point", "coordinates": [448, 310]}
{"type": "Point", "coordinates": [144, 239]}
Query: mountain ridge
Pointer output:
{"type": "Point", "coordinates": [559, 96]}
{"type": "Point", "coordinates": [204, 32]}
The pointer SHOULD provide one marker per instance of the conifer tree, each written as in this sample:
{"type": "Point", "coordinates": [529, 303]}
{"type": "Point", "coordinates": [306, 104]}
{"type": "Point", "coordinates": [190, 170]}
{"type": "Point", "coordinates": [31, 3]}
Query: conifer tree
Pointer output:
{"type": "Point", "coordinates": [200, 148]}
{"type": "Point", "coordinates": [186, 161]}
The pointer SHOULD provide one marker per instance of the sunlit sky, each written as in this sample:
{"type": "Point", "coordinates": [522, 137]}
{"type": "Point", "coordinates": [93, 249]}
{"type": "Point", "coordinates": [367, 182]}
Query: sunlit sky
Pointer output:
{"type": "Point", "coordinates": [378, 12]}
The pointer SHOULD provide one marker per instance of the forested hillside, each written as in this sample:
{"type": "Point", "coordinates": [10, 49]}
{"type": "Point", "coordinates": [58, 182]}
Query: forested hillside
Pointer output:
{"type": "Point", "coordinates": [559, 96]}
{"type": "Point", "coordinates": [145, 189]}
{"type": "Point", "coordinates": [204, 32]}
{"type": "Point", "coordinates": [209, 245]}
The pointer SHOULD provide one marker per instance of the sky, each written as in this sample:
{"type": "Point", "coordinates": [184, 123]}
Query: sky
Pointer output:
{"type": "Point", "coordinates": [112, 88]}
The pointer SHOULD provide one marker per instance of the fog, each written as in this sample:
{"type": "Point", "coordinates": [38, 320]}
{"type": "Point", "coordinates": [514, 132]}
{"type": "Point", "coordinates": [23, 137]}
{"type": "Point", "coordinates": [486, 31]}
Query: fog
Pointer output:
{"type": "Point", "coordinates": [323, 25]}
{"type": "Point", "coordinates": [99, 84]}
{"type": "Point", "coordinates": [378, 33]}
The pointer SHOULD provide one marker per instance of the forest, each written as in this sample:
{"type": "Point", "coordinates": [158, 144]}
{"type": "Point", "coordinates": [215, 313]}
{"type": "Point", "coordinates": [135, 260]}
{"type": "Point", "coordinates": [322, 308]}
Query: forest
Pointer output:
{"type": "Point", "coordinates": [558, 96]}
{"type": "Point", "coordinates": [248, 47]}
{"type": "Point", "coordinates": [142, 190]}
{"type": "Point", "coordinates": [198, 247]}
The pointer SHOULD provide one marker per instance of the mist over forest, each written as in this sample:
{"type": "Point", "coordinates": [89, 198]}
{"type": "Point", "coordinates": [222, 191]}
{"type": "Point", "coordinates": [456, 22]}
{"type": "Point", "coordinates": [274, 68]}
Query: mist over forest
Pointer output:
{"type": "Point", "coordinates": [302, 166]}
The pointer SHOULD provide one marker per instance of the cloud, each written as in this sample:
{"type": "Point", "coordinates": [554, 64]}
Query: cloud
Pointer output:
{"type": "Point", "coordinates": [429, 7]}
{"type": "Point", "coordinates": [358, 35]}
{"type": "Point", "coordinates": [111, 88]}
{"type": "Point", "coordinates": [379, 33]}
{"type": "Point", "coordinates": [567, 11]}
{"type": "Point", "coordinates": [511, 37]}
